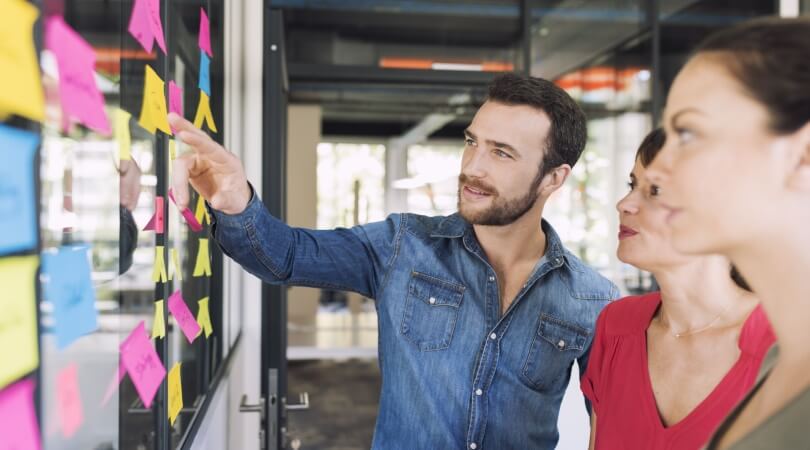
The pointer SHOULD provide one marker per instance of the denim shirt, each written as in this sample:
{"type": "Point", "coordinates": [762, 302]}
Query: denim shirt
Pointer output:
{"type": "Point", "coordinates": [456, 374]}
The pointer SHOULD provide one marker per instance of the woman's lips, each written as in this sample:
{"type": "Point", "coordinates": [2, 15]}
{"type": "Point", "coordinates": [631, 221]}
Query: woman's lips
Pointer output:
{"type": "Point", "coordinates": [626, 232]}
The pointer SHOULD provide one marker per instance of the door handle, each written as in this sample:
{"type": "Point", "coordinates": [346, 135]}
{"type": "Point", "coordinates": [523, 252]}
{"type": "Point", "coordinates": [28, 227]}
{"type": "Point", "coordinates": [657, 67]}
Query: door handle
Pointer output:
{"type": "Point", "coordinates": [246, 408]}
{"type": "Point", "coordinates": [303, 403]}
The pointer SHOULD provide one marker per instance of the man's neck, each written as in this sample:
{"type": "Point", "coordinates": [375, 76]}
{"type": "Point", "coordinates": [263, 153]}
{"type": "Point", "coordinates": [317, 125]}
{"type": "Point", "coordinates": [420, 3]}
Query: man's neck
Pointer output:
{"type": "Point", "coordinates": [509, 245]}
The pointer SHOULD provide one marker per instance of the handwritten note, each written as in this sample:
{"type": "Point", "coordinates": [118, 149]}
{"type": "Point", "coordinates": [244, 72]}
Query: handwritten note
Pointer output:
{"type": "Point", "coordinates": [159, 322]}
{"type": "Point", "coordinates": [19, 353]}
{"type": "Point", "coordinates": [18, 225]}
{"type": "Point", "coordinates": [143, 364]}
{"type": "Point", "coordinates": [174, 265]}
{"type": "Point", "coordinates": [204, 82]}
{"type": "Point", "coordinates": [204, 40]}
{"type": "Point", "coordinates": [204, 317]}
{"type": "Point", "coordinates": [20, 88]}
{"type": "Point", "coordinates": [181, 313]}
{"type": "Point", "coordinates": [79, 95]}
{"type": "Point", "coordinates": [204, 114]}
{"type": "Point", "coordinates": [18, 419]}
{"type": "Point", "coordinates": [159, 269]}
{"type": "Point", "coordinates": [153, 110]}
{"type": "Point", "coordinates": [175, 393]}
{"type": "Point", "coordinates": [201, 212]}
{"type": "Point", "coordinates": [157, 222]}
{"type": "Point", "coordinates": [69, 287]}
{"type": "Point", "coordinates": [145, 24]}
{"type": "Point", "coordinates": [69, 401]}
{"type": "Point", "coordinates": [203, 265]}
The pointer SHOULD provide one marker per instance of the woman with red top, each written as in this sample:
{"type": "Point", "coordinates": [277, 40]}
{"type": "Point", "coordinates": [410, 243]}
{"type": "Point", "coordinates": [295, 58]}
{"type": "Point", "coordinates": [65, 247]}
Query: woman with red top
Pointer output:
{"type": "Point", "coordinates": [665, 368]}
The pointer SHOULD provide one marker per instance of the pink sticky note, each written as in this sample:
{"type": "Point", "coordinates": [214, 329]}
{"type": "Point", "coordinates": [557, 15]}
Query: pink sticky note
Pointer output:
{"type": "Point", "coordinates": [205, 33]}
{"type": "Point", "coordinates": [183, 316]}
{"type": "Point", "coordinates": [116, 380]}
{"type": "Point", "coordinates": [18, 419]}
{"type": "Point", "coordinates": [145, 25]}
{"type": "Point", "coordinates": [175, 100]}
{"type": "Point", "coordinates": [156, 223]}
{"type": "Point", "coordinates": [69, 402]}
{"type": "Point", "coordinates": [143, 364]}
{"type": "Point", "coordinates": [80, 97]}
{"type": "Point", "coordinates": [157, 26]}
{"type": "Point", "coordinates": [191, 219]}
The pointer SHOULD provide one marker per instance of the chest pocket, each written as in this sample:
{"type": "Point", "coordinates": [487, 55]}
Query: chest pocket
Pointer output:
{"type": "Point", "coordinates": [431, 312]}
{"type": "Point", "coordinates": [555, 346]}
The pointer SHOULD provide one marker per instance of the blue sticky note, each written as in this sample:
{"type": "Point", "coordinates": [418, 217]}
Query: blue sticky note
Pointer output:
{"type": "Point", "coordinates": [205, 74]}
{"type": "Point", "coordinates": [69, 288]}
{"type": "Point", "coordinates": [18, 224]}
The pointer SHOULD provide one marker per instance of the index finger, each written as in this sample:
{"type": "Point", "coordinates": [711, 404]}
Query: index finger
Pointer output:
{"type": "Point", "coordinates": [191, 135]}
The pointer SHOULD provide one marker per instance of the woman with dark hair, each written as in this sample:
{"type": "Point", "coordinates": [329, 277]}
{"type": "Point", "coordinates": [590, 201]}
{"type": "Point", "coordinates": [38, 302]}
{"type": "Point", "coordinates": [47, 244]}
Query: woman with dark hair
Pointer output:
{"type": "Point", "coordinates": [735, 178]}
{"type": "Point", "coordinates": [665, 368]}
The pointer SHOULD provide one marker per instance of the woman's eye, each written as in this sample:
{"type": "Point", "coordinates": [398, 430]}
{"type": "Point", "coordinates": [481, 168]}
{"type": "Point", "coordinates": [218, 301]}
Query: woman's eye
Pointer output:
{"type": "Point", "coordinates": [684, 135]}
{"type": "Point", "coordinates": [631, 185]}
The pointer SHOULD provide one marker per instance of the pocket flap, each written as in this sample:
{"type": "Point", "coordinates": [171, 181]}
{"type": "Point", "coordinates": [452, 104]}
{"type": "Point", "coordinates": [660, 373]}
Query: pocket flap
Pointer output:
{"type": "Point", "coordinates": [434, 291]}
{"type": "Point", "coordinates": [562, 335]}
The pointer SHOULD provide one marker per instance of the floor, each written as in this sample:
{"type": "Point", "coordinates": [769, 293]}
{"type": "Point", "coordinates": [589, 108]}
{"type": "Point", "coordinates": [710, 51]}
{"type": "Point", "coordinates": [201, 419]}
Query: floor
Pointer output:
{"type": "Point", "coordinates": [343, 396]}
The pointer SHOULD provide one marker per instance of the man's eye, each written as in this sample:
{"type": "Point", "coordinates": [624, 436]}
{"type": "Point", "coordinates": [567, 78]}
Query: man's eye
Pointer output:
{"type": "Point", "coordinates": [469, 141]}
{"type": "Point", "coordinates": [502, 154]}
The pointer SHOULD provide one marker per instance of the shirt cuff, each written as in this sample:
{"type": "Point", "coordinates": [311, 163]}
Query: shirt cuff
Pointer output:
{"type": "Point", "coordinates": [229, 220]}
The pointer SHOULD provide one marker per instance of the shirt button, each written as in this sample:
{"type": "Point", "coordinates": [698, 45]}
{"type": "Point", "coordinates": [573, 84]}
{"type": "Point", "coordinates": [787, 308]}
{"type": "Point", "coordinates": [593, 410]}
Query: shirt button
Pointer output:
{"type": "Point", "coordinates": [432, 300]}
{"type": "Point", "coordinates": [561, 344]}
{"type": "Point", "coordinates": [479, 392]}
{"type": "Point", "coordinates": [473, 446]}
{"type": "Point", "coordinates": [491, 278]}
{"type": "Point", "coordinates": [493, 336]}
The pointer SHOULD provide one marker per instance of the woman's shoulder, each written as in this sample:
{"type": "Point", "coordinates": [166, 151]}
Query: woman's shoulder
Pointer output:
{"type": "Point", "coordinates": [629, 315]}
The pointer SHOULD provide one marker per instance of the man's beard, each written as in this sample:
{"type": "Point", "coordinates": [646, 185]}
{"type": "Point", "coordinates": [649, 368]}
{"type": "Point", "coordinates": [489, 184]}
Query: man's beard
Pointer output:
{"type": "Point", "coordinates": [501, 212]}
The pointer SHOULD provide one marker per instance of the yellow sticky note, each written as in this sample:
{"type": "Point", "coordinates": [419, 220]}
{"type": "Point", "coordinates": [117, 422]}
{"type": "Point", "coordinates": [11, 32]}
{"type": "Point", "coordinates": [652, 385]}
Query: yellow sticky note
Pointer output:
{"type": "Point", "coordinates": [153, 111]}
{"type": "Point", "coordinates": [159, 271]}
{"type": "Point", "coordinates": [201, 212]}
{"type": "Point", "coordinates": [204, 317]}
{"type": "Point", "coordinates": [172, 154]}
{"type": "Point", "coordinates": [122, 136]}
{"type": "Point", "coordinates": [203, 265]}
{"type": "Point", "coordinates": [204, 113]}
{"type": "Point", "coordinates": [19, 352]}
{"type": "Point", "coordinates": [174, 265]}
{"type": "Point", "coordinates": [159, 323]}
{"type": "Point", "coordinates": [175, 393]}
{"type": "Point", "coordinates": [20, 80]}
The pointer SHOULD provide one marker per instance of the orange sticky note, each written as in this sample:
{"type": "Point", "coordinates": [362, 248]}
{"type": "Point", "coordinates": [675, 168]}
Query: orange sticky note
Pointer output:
{"type": "Point", "coordinates": [20, 81]}
{"type": "Point", "coordinates": [175, 393]}
{"type": "Point", "coordinates": [203, 265]}
{"type": "Point", "coordinates": [159, 322]}
{"type": "Point", "coordinates": [204, 114]}
{"type": "Point", "coordinates": [159, 271]}
{"type": "Point", "coordinates": [153, 110]}
{"type": "Point", "coordinates": [204, 317]}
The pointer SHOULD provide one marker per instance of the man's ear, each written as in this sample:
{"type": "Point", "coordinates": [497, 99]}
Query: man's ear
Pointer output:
{"type": "Point", "coordinates": [554, 180]}
{"type": "Point", "coordinates": [799, 177]}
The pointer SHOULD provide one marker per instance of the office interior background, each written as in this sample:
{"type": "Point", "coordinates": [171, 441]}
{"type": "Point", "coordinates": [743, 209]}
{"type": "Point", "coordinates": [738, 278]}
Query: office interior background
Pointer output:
{"type": "Point", "coordinates": [343, 111]}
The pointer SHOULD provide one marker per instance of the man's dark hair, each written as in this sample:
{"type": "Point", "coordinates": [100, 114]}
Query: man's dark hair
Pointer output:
{"type": "Point", "coordinates": [568, 132]}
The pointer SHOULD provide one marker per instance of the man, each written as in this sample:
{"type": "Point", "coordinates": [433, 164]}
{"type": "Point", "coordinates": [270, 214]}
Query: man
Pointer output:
{"type": "Point", "coordinates": [482, 313]}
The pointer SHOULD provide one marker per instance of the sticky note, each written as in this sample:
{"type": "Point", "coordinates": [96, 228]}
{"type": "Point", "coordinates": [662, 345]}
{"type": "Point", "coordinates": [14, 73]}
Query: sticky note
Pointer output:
{"type": "Point", "coordinates": [175, 99]}
{"type": "Point", "coordinates": [203, 264]}
{"type": "Point", "coordinates": [143, 364]}
{"type": "Point", "coordinates": [191, 220]}
{"type": "Point", "coordinates": [122, 136]}
{"type": "Point", "coordinates": [145, 24]}
{"type": "Point", "coordinates": [18, 419]}
{"type": "Point", "coordinates": [204, 39]}
{"type": "Point", "coordinates": [153, 110]}
{"type": "Point", "coordinates": [79, 95]}
{"type": "Point", "coordinates": [69, 287]}
{"type": "Point", "coordinates": [156, 223]}
{"type": "Point", "coordinates": [174, 265]}
{"type": "Point", "coordinates": [175, 393]}
{"type": "Point", "coordinates": [114, 382]}
{"type": "Point", "coordinates": [204, 114]}
{"type": "Point", "coordinates": [204, 82]}
{"type": "Point", "coordinates": [19, 352]}
{"type": "Point", "coordinates": [68, 400]}
{"type": "Point", "coordinates": [201, 212]}
{"type": "Point", "coordinates": [18, 224]}
{"type": "Point", "coordinates": [204, 317]}
{"type": "Point", "coordinates": [159, 270]}
{"type": "Point", "coordinates": [181, 313]}
{"type": "Point", "coordinates": [159, 322]}
{"type": "Point", "coordinates": [20, 87]}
